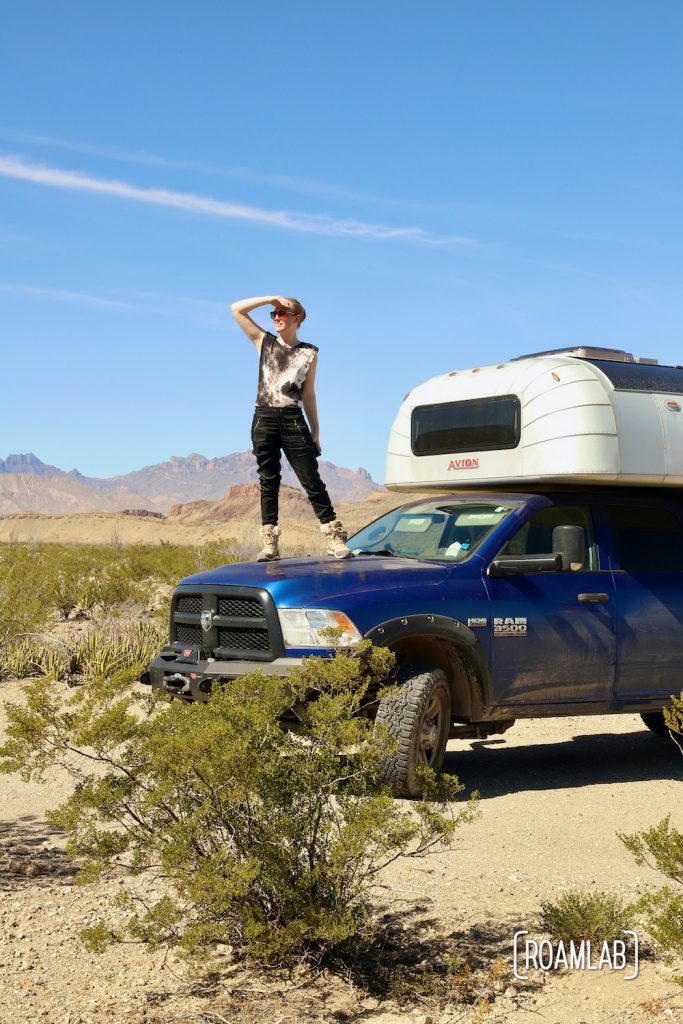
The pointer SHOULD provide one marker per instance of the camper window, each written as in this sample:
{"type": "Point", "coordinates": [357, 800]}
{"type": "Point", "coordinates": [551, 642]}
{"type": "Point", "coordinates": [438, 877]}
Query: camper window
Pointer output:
{"type": "Point", "coordinates": [663, 380]}
{"type": "Point", "coordinates": [481, 424]}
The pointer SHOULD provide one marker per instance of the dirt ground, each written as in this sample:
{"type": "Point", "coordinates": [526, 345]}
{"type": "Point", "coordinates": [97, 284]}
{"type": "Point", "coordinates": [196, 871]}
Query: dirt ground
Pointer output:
{"type": "Point", "coordinates": [554, 794]}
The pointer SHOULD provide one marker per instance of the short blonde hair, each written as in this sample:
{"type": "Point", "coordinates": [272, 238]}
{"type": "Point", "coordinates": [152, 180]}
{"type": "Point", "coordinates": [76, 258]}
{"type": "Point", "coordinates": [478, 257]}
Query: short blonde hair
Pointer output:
{"type": "Point", "coordinates": [297, 307]}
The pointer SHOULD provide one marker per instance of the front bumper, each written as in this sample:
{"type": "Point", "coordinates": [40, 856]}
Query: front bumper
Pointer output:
{"type": "Point", "coordinates": [191, 677]}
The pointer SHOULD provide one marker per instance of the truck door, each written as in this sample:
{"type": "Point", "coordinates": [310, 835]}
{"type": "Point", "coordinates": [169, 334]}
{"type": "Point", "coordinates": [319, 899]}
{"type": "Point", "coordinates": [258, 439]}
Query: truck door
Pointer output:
{"type": "Point", "coordinates": [647, 559]}
{"type": "Point", "coordinates": [553, 633]}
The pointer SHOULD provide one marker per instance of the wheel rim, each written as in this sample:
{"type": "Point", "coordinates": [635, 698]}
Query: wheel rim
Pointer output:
{"type": "Point", "coordinates": [430, 731]}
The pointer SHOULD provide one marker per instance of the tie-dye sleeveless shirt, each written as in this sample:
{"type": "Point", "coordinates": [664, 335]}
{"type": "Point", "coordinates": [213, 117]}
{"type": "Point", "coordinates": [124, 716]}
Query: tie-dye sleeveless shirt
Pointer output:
{"type": "Point", "coordinates": [282, 372]}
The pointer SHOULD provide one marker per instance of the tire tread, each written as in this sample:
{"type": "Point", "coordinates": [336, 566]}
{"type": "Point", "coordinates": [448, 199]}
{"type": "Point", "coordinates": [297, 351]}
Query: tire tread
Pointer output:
{"type": "Point", "coordinates": [400, 714]}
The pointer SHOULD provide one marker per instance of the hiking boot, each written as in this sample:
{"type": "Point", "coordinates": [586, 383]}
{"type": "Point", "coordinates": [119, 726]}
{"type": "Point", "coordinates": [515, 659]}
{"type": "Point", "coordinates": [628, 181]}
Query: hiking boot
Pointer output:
{"type": "Point", "coordinates": [336, 537]}
{"type": "Point", "coordinates": [270, 550]}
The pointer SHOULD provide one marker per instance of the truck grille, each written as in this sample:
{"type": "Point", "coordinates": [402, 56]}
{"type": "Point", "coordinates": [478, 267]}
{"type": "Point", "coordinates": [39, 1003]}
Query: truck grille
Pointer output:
{"type": "Point", "coordinates": [244, 639]}
{"type": "Point", "coordinates": [242, 622]}
{"type": "Point", "coordinates": [243, 607]}
{"type": "Point", "coordinates": [191, 635]}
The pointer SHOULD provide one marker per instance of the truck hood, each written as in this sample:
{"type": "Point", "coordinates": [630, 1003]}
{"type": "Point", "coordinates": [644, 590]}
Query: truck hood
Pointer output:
{"type": "Point", "coordinates": [304, 581]}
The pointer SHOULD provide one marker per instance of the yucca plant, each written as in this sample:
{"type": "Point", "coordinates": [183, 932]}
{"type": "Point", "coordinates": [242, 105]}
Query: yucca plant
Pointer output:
{"type": "Point", "coordinates": [96, 656]}
{"type": "Point", "coordinates": [19, 659]}
{"type": "Point", "coordinates": [38, 655]}
{"type": "Point", "coordinates": [101, 654]}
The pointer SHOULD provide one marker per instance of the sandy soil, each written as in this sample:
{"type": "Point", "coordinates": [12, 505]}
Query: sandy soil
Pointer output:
{"type": "Point", "coordinates": [554, 794]}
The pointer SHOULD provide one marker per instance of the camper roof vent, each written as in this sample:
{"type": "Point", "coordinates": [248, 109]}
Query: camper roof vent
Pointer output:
{"type": "Point", "coordinates": [585, 352]}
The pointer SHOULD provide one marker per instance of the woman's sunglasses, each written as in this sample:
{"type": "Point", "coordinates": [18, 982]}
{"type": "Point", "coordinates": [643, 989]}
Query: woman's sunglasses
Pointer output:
{"type": "Point", "coordinates": [275, 313]}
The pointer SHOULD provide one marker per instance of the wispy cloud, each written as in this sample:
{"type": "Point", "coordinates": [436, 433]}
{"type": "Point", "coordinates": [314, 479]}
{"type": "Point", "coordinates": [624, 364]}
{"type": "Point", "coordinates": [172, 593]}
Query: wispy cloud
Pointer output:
{"type": "Point", "coordinates": [290, 182]}
{"type": "Point", "coordinates": [318, 224]}
{"type": "Point", "coordinates": [110, 152]}
{"type": "Point", "coordinates": [63, 295]}
{"type": "Point", "coordinates": [143, 159]}
{"type": "Point", "coordinates": [202, 312]}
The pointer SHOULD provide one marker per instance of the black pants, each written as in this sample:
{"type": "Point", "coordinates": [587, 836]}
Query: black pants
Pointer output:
{"type": "Point", "coordinates": [274, 430]}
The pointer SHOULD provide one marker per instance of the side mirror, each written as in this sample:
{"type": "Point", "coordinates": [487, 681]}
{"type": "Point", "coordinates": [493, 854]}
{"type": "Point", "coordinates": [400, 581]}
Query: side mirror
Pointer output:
{"type": "Point", "coordinates": [569, 555]}
{"type": "Point", "coordinates": [520, 565]}
{"type": "Point", "coordinates": [570, 544]}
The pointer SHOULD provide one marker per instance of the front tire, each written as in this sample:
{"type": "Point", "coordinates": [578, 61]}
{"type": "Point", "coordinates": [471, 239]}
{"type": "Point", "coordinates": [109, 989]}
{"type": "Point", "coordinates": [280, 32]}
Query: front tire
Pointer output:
{"type": "Point", "coordinates": [419, 719]}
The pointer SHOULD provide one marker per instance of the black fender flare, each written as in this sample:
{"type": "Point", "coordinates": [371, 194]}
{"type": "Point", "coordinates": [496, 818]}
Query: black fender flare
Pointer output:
{"type": "Point", "coordinates": [405, 627]}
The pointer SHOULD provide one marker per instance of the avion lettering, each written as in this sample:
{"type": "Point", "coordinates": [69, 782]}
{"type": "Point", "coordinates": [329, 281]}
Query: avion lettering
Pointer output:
{"type": "Point", "coordinates": [463, 464]}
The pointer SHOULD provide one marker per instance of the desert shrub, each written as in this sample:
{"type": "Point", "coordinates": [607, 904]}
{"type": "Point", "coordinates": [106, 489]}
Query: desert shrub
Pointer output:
{"type": "Point", "coordinates": [23, 587]}
{"type": "Point", "coordinates": [111, 586]}
{"type": "Point", "coordinates": [582, 915]}
{"type": "Point", "coordinates": [87, 575]}
{"type": "Point", "coordinates": [661, 848]}
{"type": "Point", "coordinates": [80, 576]}
{"type": "Point", "coordinates": [38, 580]}
{"type": "Point", "coordinates": [673, 716]}
{"type": "Point", "coordinates": [167, 563]}
{"type": "Point", "coordinates": [247, 834]}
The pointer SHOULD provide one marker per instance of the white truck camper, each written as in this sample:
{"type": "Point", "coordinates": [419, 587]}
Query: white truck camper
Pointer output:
{"type": "Point", "coordinates": [565, 417]}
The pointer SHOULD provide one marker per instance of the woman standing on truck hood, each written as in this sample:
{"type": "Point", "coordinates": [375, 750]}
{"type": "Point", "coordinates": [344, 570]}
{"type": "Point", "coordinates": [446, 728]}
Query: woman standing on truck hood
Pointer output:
{"type": "Point", "coordinates": [286, 384]}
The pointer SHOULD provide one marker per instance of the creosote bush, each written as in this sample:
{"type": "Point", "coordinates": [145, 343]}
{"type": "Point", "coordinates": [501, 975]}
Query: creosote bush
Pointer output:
{"type": "Point", "coordinates": [245, 833]}
{"type": "Point", "coordinates": [580, 915]}
{"type": "Point", "coordinates": [661, 848]}
{"type": "Point", "coordinates": [23, 587]}
{"type": "Point", "coordinates": [673, 716]}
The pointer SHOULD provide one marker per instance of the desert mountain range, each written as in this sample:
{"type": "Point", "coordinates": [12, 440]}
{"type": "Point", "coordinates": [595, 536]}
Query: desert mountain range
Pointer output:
{"type": "Point", "coordinates": [29, 485]}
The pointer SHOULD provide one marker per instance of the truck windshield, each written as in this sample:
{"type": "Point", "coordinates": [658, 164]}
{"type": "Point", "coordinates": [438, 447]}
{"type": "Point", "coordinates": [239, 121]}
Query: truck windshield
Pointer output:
{"type": "Point", "coordinates": [446, 531]}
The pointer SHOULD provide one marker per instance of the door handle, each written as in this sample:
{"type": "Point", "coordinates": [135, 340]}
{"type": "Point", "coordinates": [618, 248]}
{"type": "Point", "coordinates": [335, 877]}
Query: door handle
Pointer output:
{"type": "Point", "coordinates": [593, 598]}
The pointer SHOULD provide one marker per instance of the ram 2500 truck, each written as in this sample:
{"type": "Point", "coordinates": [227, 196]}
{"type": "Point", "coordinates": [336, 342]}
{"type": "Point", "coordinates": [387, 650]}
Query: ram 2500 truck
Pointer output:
{"type": "Point", "coordinates": [497, 605]}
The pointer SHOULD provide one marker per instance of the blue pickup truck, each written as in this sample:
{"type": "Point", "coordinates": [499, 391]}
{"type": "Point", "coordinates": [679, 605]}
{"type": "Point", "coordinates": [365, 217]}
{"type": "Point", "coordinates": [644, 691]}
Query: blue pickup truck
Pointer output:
{"type": "Point", "coordinates": [498, 605]}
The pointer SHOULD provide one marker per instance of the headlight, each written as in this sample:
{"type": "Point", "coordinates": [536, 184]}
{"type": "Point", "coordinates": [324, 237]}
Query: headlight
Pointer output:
{"type": "Point", "coordinates": [301, 627]}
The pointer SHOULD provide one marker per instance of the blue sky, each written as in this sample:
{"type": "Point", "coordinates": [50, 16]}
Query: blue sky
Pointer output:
{"type": "Point", "coordinates": [442, 184]}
